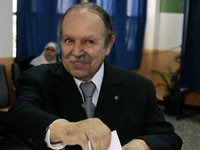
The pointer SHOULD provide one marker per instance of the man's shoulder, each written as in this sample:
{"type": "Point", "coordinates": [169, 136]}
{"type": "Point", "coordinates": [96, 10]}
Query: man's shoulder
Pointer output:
{"type": "Point", "coordinates": [44, 70]}
{"type": "Point", "coordinates": [124, 73]}
{"type": "Point", "coordinates": [46, 67]}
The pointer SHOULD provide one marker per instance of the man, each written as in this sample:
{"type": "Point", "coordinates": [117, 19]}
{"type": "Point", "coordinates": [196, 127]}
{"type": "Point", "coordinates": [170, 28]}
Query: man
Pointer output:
{"type": "Point", "coordinates": [48, 110]}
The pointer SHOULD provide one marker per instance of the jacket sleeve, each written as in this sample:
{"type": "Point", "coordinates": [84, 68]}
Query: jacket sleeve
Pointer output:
{"type": "Point", "coordinates": [27, 117]}
{"type": "Point", "coordinates": [158, 133]}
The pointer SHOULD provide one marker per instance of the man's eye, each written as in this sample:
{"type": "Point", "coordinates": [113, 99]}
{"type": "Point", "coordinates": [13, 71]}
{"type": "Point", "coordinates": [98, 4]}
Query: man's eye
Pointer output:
{"type": "Point", "coordinates": [68, 41]}
{"type": "Point", "coordinates": [89, 42]}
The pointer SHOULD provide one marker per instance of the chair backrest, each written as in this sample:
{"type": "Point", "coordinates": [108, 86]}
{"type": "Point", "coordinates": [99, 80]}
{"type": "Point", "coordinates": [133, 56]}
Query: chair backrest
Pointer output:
{"type": "Point", "coordinates": [15, 73]}
{"type": "Point", "coordinates": [4, 90]}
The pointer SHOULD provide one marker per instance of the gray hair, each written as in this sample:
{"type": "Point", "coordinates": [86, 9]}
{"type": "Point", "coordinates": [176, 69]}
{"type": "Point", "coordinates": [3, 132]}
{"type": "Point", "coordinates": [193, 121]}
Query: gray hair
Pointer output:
{"type": "Point", "coordinates": [97, 10]}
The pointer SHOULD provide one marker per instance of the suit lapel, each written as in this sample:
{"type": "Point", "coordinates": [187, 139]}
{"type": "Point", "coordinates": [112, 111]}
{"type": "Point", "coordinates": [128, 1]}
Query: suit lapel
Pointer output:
{"type": "Point", "coordinates": [68, 94]}
{"type": "Point", "coordinates": [110, 94]}
{"type": "Point", "coordinates": [70, 97]}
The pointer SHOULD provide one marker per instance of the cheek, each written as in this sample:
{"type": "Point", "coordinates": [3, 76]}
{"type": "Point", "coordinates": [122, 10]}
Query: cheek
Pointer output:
{"type": "Point", "coordinates": [53, 55]}
{"type": "Point", "coordinates": [100, 55]}
{"type": "Point", "coordinates": [46, 55]}
{"type": "Point", "coordinates": [65, 51]}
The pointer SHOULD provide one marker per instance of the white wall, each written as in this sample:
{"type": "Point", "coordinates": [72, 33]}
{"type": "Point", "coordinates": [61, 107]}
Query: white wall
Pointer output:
{"type": "Point", "coordinates": [6, 28]}
{"type": "Point", "coordinates": [151, 24]}
{"type": "Point", "coordinates": [170, 31]}
{"type": "Point", "coordinates": [163, 30]}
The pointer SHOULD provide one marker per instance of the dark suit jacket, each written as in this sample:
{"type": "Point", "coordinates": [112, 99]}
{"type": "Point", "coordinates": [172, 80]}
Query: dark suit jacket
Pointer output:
{"type": "Point", "coordinates": [48, 92]}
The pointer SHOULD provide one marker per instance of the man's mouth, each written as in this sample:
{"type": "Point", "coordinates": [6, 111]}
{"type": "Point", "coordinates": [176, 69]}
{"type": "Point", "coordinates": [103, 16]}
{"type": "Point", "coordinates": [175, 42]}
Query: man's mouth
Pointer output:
{"type": "Point", "coordinates": [79, 64]}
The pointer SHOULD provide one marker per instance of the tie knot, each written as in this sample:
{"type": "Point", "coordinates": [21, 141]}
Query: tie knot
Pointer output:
{"type": "Point", "coordinates": [88, 89]}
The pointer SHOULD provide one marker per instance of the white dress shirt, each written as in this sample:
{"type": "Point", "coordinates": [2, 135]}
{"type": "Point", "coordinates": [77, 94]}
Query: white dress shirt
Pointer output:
{"type": "Point", "coordinates": [97, 80]}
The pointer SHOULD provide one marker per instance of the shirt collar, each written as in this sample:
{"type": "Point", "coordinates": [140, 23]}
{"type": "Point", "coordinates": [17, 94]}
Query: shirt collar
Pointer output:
{"type": "Point", "coordinates": [97, 79]}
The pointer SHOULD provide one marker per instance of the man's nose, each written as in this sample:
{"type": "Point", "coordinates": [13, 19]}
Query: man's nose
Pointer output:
{"type": "Point", "coordinates": [77, 50]}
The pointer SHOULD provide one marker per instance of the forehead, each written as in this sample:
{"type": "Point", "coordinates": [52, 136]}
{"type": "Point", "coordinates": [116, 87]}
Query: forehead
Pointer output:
{"type": "Point", "coordinates": [82, 20]}
{"type": "Point", "coordinates": [50, 47]}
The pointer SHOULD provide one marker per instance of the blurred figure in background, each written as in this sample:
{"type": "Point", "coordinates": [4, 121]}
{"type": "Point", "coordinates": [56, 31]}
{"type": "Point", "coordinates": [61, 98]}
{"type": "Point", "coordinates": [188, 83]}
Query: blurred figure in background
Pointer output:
{"type": "Point", "coordinates": [48, 56]}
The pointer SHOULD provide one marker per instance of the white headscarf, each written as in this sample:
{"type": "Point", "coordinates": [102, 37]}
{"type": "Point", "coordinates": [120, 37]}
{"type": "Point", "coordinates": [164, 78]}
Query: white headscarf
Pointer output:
{"type": "Point", "coordinates": [41, 59]}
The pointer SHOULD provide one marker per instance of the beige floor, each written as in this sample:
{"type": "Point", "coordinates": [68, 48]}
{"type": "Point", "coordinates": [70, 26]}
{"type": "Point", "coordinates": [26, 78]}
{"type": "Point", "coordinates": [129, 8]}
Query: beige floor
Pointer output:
{"type": "Point", "coordinates": [189, 131]}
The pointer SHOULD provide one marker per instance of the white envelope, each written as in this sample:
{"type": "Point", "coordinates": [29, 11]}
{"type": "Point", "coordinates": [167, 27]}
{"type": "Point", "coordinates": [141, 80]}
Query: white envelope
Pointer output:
{"type": "Point", "coordinates": [115, 143]}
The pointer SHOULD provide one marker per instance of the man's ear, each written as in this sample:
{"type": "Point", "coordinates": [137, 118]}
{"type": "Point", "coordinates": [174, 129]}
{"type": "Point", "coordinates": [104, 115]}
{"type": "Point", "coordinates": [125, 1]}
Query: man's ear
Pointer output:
{"type": "Point", "coordinates": [110, 44]}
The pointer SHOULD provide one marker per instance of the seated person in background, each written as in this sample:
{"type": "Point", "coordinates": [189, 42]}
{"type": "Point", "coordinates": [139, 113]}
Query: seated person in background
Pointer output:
{"type": "Point", "coordinates": [51, 106]}
{"type": "Point", "coordinates": [48, 56]}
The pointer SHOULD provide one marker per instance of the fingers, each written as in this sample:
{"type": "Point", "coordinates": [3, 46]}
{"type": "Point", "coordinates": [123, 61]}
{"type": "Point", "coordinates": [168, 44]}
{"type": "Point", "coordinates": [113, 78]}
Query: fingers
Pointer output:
{"type": "Point", "coordinates": [94, 139]}
{"type": "Point", "coordinates": [102, 138]}
{"type": "Point", "coordinates": [136, 144]}
{"type": "Point", "coordinates": [93, 130]}
{"type": "Point", "coordinates": [97, 133]}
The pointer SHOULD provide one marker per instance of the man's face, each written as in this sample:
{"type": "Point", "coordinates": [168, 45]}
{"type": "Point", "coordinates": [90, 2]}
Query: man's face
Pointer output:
{"type": "Point", "coordinates": [83, 39]}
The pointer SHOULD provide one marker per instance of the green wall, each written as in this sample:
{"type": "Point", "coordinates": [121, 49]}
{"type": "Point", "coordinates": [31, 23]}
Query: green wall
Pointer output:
{"type": "Point", "coordinates": [172, 6]}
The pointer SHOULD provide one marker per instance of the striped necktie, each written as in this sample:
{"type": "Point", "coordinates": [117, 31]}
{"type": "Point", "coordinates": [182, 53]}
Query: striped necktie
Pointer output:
{"type": "Point", "coordinates": [88, 89]}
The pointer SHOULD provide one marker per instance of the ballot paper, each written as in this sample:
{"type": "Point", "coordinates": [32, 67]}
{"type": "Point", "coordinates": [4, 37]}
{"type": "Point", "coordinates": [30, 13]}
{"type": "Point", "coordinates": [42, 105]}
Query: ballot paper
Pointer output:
{"type": "Point", "coordinates": [115, 143]}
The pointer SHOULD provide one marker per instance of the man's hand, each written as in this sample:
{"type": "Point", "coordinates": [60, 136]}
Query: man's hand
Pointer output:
{"type": "Point", "coordinates": [72, 133]}
{"type": "Point", "coordinates": [136, 144]}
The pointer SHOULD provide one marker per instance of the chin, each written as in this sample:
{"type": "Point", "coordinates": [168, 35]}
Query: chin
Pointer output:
{"type": "Point", "coordinates": [81, 77]}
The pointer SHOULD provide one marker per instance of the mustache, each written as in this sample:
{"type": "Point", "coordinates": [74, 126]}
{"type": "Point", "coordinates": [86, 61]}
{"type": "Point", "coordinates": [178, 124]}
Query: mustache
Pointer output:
{"type": "Point", "coordinates": [78, 59]}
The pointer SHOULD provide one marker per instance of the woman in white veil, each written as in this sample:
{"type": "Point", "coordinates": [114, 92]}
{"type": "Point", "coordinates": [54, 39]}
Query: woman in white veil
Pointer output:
{"type": "Point", "coordinates": [49, 55]}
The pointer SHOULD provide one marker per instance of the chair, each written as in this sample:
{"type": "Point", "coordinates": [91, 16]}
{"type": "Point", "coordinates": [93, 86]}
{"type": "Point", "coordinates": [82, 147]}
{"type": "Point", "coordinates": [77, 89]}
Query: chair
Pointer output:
{"type": "Point", "coordinates": [25, 64]}
{"type": "Point", "coordinates": [4, 92]}
{"type": "Point", "coordinates": [15, 73]}
{"type": "Point", "coordinates": [4, 101]}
